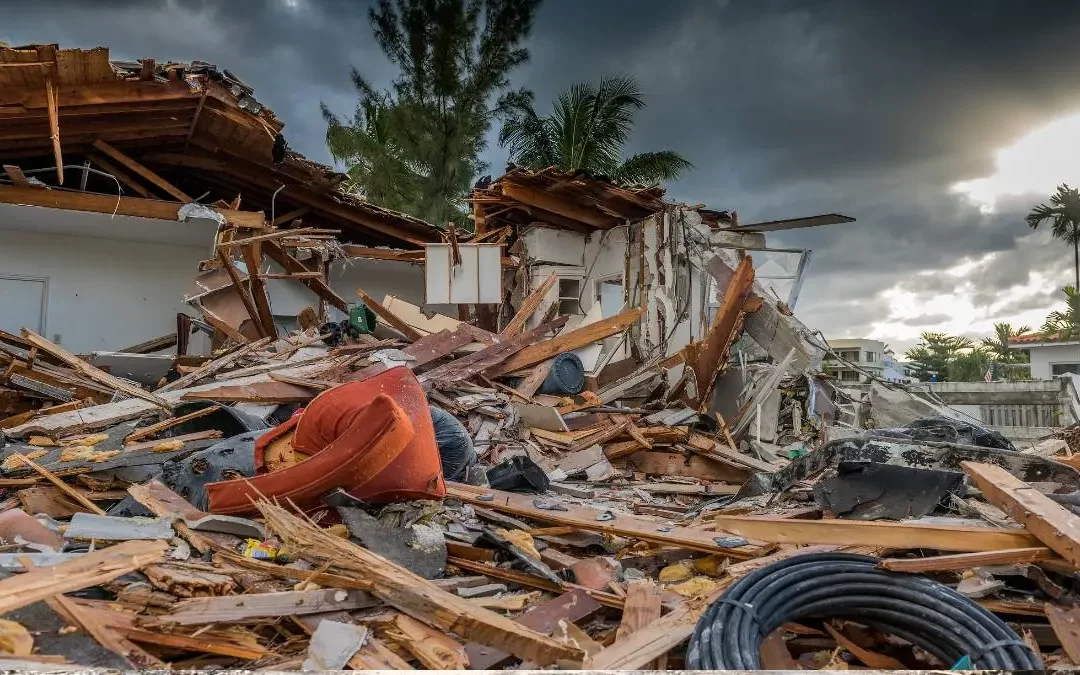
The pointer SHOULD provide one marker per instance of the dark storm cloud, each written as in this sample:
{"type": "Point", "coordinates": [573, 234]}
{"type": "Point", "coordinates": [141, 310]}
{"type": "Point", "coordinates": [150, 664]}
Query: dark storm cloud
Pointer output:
{"type": "Point", "coordinates": [786, 107]}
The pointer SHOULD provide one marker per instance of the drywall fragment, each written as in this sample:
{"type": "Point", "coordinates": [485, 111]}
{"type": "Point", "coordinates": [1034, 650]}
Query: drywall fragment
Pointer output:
{"type": "Point", "coordinates": [332, 645]}
{"type": "Point", "coordinates": [113, 528]}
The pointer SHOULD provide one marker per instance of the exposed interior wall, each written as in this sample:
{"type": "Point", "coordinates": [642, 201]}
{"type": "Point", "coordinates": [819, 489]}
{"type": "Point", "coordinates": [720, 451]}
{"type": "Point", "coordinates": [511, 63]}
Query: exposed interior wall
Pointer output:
{"type": "Point", "coordinates": [103, 294]}
{"type": "Point", "coordinates": [1042, 358]}
{"type": "Point", "coordinates": [377, 277]}
{"type": "Point", "coordinates": [672, 274]}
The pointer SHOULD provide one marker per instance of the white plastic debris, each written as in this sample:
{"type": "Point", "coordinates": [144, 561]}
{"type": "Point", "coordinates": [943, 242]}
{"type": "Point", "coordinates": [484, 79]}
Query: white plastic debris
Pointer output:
{"type": "Point", "coordinates": [193, 211]}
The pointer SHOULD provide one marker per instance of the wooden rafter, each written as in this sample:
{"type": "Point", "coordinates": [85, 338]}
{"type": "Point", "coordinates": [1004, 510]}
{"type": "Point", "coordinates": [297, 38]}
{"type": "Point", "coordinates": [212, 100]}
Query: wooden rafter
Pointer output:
{"type": "Point", "coordinates": [318, 286]}
{"type": "Point", "coordinates": [143, 171]}
{"type": "Point", "coordinates": [127, 206]}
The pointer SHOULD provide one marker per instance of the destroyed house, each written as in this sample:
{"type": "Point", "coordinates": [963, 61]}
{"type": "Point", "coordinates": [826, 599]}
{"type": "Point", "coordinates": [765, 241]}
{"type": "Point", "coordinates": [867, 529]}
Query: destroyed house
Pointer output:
{"type": "Point", "coordinates": [117, 178]}
{"type": "Point", "coordinates": [598, 252]}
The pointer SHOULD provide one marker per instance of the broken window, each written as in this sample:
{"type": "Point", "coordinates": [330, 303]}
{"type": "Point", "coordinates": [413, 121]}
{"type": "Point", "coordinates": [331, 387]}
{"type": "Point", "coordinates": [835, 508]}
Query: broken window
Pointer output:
{"type": "Point", "coordinates": [569, 296]}
{"type": "Point", "coordinates": [1063, 368]}
{"type": "Point", "coordinates": [609, 293]}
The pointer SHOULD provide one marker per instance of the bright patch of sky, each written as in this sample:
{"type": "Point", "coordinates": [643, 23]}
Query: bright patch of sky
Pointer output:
{"type": "Point", "coordinates": [1036, 163]}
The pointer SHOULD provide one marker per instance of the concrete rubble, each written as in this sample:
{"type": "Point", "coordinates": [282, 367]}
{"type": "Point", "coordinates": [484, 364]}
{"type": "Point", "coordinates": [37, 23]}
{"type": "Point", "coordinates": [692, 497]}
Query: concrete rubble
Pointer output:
{"type": "Point", "coordinates": [393, 490]}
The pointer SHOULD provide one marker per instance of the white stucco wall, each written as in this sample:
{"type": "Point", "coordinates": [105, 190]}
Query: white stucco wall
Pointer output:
{"type": "Point", "coordinates": [103, 294]}
{"type": "Point", "coordinates": [1043, 357]}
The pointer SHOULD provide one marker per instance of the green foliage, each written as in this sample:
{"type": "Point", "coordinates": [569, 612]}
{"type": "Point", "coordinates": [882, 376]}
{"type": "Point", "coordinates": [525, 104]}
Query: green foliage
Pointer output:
{"type": "Point", "coordinates": [998, 345]}
{"type": "Point", "coordinates": [969, 365]}
{"type": "Point", "coordinates": [1065, 325]}
{"type": "Point", "coordinates": [588, 126]}
{"type": "Point", "coordinates": [933, 354]}
{"type": "Point", "coordinates": [416, 147]}
{"type": "Point", "coordinates": [1063, 214]}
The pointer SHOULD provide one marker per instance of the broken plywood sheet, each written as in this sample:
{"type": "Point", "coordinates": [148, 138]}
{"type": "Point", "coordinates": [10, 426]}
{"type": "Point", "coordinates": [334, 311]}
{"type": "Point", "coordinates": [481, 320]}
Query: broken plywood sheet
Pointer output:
{"type": "Point", "coordinates": [415, 317]}
{"type": "Point", "coordinates": [540, 417]}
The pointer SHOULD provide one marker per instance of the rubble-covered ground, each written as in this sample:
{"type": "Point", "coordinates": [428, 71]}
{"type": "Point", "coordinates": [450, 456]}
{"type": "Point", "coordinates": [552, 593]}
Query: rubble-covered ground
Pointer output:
{"type": "Point", "coordinates": [592, 530]}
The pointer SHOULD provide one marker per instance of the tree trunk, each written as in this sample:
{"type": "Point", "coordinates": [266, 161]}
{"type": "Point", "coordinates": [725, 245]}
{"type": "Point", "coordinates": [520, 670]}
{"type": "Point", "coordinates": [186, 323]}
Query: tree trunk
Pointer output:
{"type": "Point", "coordinates": [1076, 262]}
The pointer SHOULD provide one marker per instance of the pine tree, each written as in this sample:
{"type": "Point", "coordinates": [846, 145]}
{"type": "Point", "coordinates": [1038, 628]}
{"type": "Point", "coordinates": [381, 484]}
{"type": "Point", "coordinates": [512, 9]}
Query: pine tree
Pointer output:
{"type": "Point", "coordinates": [416, 148]}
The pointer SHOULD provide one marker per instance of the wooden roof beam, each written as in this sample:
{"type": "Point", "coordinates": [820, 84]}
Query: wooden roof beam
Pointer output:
{"type": "Point", "coordinates": [291, 264]}
{"type": "Point", "coordinates": [143, 171]}
{"type": "Point", "coordinates": [93, 94]}
{"type": "Point", "coordinates": [552, 203]}
{"type": "Point", "coordinates": [125, 206]}
{"type": "Point", "coordinates": [121, 175]}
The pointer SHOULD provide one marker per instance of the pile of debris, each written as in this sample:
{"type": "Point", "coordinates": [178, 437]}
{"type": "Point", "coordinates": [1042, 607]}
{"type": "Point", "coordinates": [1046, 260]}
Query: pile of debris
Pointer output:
{"type": "Point", "coordinates": [401, 490]}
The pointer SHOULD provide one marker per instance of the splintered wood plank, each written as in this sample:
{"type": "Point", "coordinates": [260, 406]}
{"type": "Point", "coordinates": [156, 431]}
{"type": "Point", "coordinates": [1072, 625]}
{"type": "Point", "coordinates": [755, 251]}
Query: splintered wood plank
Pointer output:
{"type": "Point", "coordinates": [121, 176]}
{"type": "Point", "coordinates": [87, 570]}
{"type": "Point", "coordinates": [676, 464]}
{"type": "Point", "coordinates": [528, 386]}
{"type": "Point", "coordinates": [575, 339]}
{"type": "Point", "coordinates": [1066, 625]}
{"type": "Point", "coordinates": [871, 659]}
{"type": "Point", "coordinates": [16, 175]}
{"type": "Point", "coordinates": [208, 369]}
{"type": "Point", "coordinates": [425, 350]}
{"type": "Point", "coordinates": [529, 306]}
{"type": "Point", "coordinates": [877, 533]}
{"type": "Point", "coordinates": [434, 649]}
{"type": "Point", "coordinates": [97, 627]}
{"type": "Point", "coordinates": [414, 595]}
{"type": "Point", "coordinates": [64, 487]}
{"type": "Point", "coordinates": [641, 609]}
{"type": "Point", "coordinates": [467, 366]}
{"type": "Point", "coordinates": [245, 297]}
{"type": "Point", "coordinates": [533, 581]}
{"type": "Point", "coordinates": [655, 640]}
{"type": "Point", "coordinates": [164, 503]}
{"type": "Point", "coordinates": [711, 354]}
{"type": "Point", "coordinates": [600, 437]}
{"type": "Point", "coordinates": [241, 607]}
{"type": "Point", "coordinates": [147, 432]}
{"type": "Point", "coordinates": [963, 561]}
{"type": "Point", "coordinates": [622, 524]}
{"type": "Point", "coordinates": [1054, 525]}
{"type": "Point", "coordinates": [257, 287]}
{"type": "Point", "coordinates": [194, 644]}
{"type": "Point", "coordinates": [51, 97]}
{"type": "Point", "coordinates": [389, 317]}
{"type": "Point", "coordinates": [143, 171]}
{"type": "Point", "coordinates": [256, 392]}
{"type": "Point", "coordinates": [572, 606]}
{"type": "Point", "coordinates": [92, 372]}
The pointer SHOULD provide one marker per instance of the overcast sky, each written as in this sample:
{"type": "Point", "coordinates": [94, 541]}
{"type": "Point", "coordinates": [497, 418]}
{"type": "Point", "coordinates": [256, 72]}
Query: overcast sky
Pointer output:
{"type": "Point", "coordinates": [875, 109]}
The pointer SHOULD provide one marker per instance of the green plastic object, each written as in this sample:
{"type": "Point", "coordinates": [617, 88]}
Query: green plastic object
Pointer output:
{"type": "Point", "coordinates": [361, 319]}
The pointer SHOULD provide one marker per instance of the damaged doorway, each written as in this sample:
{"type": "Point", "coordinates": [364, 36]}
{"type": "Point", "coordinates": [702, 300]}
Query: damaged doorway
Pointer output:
{"type": "Point", "coordinates": [23, 302]}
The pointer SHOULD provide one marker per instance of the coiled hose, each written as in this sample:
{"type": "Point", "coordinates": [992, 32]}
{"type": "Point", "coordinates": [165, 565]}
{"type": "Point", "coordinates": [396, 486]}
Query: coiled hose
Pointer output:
{"type": "Point", "coordinates": [847, 586]}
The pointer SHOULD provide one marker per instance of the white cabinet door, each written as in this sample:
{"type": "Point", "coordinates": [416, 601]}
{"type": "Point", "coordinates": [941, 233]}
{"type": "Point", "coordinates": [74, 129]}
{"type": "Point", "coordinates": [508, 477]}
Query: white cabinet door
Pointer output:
{"type": "Point", "coordinates": [22, 304]}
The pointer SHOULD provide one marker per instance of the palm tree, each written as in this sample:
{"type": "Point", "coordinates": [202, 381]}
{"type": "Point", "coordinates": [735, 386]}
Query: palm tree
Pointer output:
{"type": "Point", "coordinates": [1063, 213]}
{"type": "Point", "coordinates": [999, 344]}
{"type": "Point", "coordinates": [587, 129]}
{"type": "Point", "coordinates": [1065, 325]}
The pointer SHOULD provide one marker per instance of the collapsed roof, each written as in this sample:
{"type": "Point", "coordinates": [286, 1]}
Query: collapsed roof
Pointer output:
{"type": "Point", "coordinates": [197, 127]}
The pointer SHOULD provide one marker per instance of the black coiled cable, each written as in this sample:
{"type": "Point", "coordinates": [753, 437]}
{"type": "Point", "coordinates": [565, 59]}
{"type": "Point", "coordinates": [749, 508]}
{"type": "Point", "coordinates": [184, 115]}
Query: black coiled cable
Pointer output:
{"type": "Point", "coordinates": [846, 586]}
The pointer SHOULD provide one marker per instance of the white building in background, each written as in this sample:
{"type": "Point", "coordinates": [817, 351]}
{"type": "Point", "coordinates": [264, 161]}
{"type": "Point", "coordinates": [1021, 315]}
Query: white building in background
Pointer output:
{"type": "Point", "coordinates": [896, 371]}
{"type": "Point", "coordinates": [868, 355]}
{"type": "Point", "coordinates": [1050, 356]}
